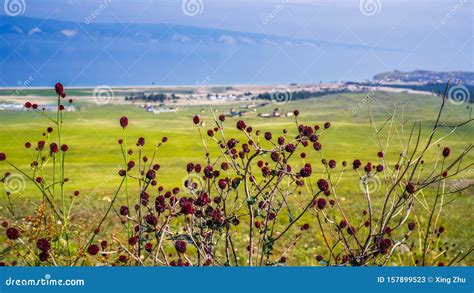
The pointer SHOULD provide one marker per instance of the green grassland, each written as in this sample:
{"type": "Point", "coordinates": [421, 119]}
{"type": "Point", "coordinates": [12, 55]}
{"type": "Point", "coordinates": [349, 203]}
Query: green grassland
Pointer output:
{"type": "Point", "coordinates": [94, 157]}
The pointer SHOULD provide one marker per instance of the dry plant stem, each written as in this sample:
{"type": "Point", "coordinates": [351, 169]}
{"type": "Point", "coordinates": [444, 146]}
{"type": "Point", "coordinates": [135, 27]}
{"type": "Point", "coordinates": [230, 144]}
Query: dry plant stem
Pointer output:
{"type": "Point", "coordinates": [101, 222]}
{"type": "Point", "coordinates": [297, 218]}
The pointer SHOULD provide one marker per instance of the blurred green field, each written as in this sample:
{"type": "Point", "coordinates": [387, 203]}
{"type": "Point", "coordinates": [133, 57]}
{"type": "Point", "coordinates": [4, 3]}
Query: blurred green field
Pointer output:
{"type": "Point", "coordinates": [94, 157]}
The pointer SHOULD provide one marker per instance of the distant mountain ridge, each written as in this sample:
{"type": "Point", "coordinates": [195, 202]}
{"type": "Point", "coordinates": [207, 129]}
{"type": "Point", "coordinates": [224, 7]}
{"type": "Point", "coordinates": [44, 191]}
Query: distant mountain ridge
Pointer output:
{"type": "Point", "coordinates": [150, 32]}
{"type": "Point", "coordinates": [43, 52]}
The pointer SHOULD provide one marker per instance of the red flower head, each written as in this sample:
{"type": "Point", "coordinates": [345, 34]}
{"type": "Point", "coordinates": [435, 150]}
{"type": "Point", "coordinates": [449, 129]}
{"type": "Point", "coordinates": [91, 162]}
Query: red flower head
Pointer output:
{"type": "Point", "coordinates": [59, 88]}
{"type": "Point", "coordinates": [196, 119]}
{"type": "Point", "coordinates": [13, 233]}
{"type": "Point", "coordinates": [54, 148]}
{"type": "Point", "coordinates": [93, 249]}
{"type": "Point", "coordinates": [446, 152]}
{"type": "Point", "coordinates": [124, 121]}
{"type": "Point", "coordinates": [180, 246]}
{"type": "Point", "coordinates": [241, 125]}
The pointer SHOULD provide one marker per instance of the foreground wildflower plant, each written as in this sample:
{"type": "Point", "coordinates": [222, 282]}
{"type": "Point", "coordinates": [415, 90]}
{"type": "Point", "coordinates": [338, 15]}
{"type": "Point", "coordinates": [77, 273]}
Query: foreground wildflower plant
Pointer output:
{"type": "Point", "coordinates": [234, 207]}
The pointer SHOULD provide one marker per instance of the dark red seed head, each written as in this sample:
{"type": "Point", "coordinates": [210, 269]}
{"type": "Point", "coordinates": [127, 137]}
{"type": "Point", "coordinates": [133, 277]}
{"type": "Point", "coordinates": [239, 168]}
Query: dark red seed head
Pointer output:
{"type": "Point", "coordinates": [222, 117]}
{"type": "Point", "coordinates": [196, 119]}
{"type": "Point", "coordinates": [317, 146]}
{"type": "Point", "coordinates": [380, 154]}
{"type": "Point", "coordinates": [43, 244]}
{"type": "Point", "coordinates": [290, 148]}
{"type": "Point", "coordinates": [268, 135]}
{"type": "Point", "coordinates": [43, 256]}
{"type": "Point", "coordinates": [351, 230]}
{"type": "Point", "coordinates": [59, 88]}
{"type": "Point", "coordinates": [149, 247]}
{"type": "Point", "coordinates": [64, 147]}
{"type": "Point", "coordinates": [356, 164]}
{"type": "Point", "coordinates": [410, 188]}
{"type": "Point", "coordinates": [241, 125]}
{"type": "Point", "coordinates": [368, 167]}
{"type": "Point", "coordinates": [41, 144]}
{"type": "Point", "coordinates": [296, 112]}
{"type": "Point", "coordinates": [76, 193]}
{"type": "Point", "coordinates": [281, 140]}
{"type": "Point", "coordinates": [379, 168]}
{"type": "Point", "coordinates": [54, 148]}
{"type": "Point", "coordinates": [123, 121]}
{"type": "Point", "coordinates": [124, 210]}
{"type": "Point", "coordinates": [321, 203]}
{"type": "Point", "coordinates": [343, 224]}
{"type": "Point", "coordinates": [28, 105]}
{"type": "Point", "coordinates": [411, 226]}
{"type": "Point", "coordinates": [13, 233]}
{"type": "Point", "coordinates": [180, 246]}
{"type": "Point", "coordinates": [305, 226]}
{"type": "Point", "coordinates": [323, 184]}
{"type": "Point", "coordinates": [133, 240]}
{"type": "Point", "coordinates": [446, 152]}
{"type": "Point", "coordinates": [151, 220]}
{"type": "Point", "coordinates": [93, 249]}
{"type": "Point", "coordinates": [224, 166]}
{"type": "Point", "coordinates": [197, 168]}
{"type": "Point", "coordinates": [3, 156]}
{"type": "Point", "coordinates": [327, 125]}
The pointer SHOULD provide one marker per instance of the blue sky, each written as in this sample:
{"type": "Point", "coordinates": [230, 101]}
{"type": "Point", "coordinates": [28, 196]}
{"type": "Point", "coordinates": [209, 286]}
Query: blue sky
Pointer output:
{"type": "Point", "coordinates": [435, 35]}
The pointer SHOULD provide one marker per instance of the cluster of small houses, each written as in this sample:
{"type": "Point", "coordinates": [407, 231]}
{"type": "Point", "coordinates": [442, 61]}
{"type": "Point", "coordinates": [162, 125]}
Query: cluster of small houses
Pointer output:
{"type": "Point", "coordinates": [244, 110]}
{"type": "Point", "coordinates": [45, 108]}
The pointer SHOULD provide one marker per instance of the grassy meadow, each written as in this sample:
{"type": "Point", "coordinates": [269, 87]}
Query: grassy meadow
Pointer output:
{"type": "Point", "coordinates": [94, 156]}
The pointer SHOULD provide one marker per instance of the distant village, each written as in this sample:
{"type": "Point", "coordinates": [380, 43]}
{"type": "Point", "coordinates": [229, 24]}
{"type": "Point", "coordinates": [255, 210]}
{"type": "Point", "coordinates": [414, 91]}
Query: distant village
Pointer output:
{"type": "Point", "coordinates": [246, 100]}
{"type": "Point", "coordinates": [44, 108]}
